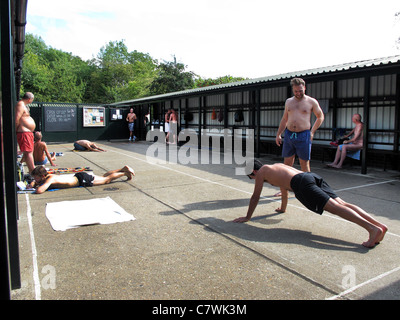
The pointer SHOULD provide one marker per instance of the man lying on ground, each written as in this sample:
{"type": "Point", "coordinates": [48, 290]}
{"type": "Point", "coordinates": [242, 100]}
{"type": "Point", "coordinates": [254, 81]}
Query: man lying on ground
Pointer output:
{"type": "Point", "coordinates": [314, 193]}
{"type": "Point", "coordinates": [45, 180]}
{"type": "Point", "coordinates": [86, 145]}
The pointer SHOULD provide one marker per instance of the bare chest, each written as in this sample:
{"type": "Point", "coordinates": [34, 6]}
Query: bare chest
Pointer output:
{"type": "Point", "coordinates": [301, 108]}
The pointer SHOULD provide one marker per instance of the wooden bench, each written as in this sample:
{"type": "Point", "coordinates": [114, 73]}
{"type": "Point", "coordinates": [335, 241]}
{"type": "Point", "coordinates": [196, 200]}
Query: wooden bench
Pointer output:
{"type": "Point", "coordinates": [328, 152]}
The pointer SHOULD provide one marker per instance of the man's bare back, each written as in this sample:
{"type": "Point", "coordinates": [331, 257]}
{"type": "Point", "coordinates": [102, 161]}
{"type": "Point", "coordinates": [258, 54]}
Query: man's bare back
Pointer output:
{"type": "Point", "coordinates": [89, 145]}
{"type": "Point", "coordinates": [278, 175]}
{"type": "Point", "coordinates": [60, 181]}
{"type": "Point", "coordinates": [358, 135]}
{"type": "Point", "coordinates": [173, 117]}
{"type": "Point", "coordinates": [39, 151]}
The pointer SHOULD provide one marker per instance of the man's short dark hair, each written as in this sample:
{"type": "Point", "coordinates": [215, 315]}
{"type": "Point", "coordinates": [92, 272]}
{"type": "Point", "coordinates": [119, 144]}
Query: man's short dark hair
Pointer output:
{"type": "Point", "coordinates": [297, 82]}
{"type": "Point", "coordinates": [257, 166]}
{"type": "Point", "coordinates": [39, 171]}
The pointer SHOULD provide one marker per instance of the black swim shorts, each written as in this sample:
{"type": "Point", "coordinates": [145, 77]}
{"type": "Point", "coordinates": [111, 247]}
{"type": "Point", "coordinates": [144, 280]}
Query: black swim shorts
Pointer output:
{"type": "Point", "coordinates": [312, 191]}
{"type": "Point", "coordinates": [85, 179]}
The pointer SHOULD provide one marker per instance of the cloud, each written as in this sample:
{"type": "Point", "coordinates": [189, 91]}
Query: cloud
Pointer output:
{"type": "Point", "coordinates": [214, 38]}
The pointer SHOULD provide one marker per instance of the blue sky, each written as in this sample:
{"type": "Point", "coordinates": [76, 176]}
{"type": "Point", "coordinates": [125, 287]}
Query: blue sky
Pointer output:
{"type": "Point", "coordinates": [252, 38]}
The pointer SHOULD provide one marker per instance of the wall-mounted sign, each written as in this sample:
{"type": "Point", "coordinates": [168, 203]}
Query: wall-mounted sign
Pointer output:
{"type": "Point", "coordinates": [94, 117]}
{"type": "Point", "coordinates": [116, 114]}
{"type": "Point", "coordinates": [60, 118]}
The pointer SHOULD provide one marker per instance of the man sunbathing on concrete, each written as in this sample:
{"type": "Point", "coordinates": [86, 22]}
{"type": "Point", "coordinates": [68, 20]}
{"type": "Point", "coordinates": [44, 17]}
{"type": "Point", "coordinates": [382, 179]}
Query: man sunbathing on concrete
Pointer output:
{"type": "Point", "coordinates": [44, 180]}
{"type": "Point", "coordinates": [314, 193]}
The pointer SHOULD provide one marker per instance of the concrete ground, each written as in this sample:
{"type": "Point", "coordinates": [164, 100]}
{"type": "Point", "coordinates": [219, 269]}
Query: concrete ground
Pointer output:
{"type": "Point", "coordinates": [184, 245]}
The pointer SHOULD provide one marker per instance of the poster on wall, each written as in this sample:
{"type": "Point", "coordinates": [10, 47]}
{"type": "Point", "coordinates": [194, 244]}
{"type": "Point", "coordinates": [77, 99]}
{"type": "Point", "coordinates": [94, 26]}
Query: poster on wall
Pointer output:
{"type": "Point", "coordinates": [116, 114]}
{"type": "Point", "coordinates": [93, 117]}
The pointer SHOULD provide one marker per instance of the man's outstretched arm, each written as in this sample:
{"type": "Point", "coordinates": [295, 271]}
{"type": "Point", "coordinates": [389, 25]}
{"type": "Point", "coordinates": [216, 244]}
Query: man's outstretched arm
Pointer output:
{"type": "Point", "coordinates": [253, 200]}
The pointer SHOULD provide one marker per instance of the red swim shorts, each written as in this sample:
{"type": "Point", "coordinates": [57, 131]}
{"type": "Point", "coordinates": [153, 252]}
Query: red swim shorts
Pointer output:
{"type": "Point", "coordinates": [25, 141]}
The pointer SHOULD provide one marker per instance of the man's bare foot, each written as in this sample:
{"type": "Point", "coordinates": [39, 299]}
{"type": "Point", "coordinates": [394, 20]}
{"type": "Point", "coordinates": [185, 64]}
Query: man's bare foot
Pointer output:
{"type": "Point", "coordinates": [384, 229]}
{"type": "Point", "coordinates": [129, 172]}
{"type": "Point", "coordinates": [374, 237]}
{"type": "Point", "coordinates": [278, 194]}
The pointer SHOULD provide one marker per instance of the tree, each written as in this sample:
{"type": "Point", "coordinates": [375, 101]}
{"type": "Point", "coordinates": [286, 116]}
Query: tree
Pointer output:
{"type": "Point", "coordinates": [172, 77]}
{"type": "Point", "coordinates": [121, 75]}
{"type": "Point", "coordinates": [115, 75]}
{"type": "Point", "coordinates": [68, 83]}
{"type": "Point", "coordinates": [36, 77]}
{"type": "Point", "coordinates": [51, 74]}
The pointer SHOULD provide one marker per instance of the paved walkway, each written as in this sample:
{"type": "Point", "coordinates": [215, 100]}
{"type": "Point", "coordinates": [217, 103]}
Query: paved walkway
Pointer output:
{"type": "Point", "coordinates": [184, 245]}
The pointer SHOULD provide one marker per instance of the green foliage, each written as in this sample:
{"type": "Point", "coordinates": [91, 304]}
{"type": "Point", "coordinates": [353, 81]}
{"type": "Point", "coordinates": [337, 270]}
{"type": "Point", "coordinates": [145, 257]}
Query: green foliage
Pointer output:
{"type": "Point", "coordinates": [172, 77]}
{"type": "Point", "coordinates": [52, 75]}
{"type": "Point", "coordinates": [122, 75]}
{"type": "Point", "coordinates": [116, 74]}
{"type": "Point", "coordinates": [201, 83]}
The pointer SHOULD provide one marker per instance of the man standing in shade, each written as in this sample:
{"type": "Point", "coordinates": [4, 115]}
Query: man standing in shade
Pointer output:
{"type": "Point", "coordinates": [131, 117]}
{"type": "Point", "coordinates": [24, 126]}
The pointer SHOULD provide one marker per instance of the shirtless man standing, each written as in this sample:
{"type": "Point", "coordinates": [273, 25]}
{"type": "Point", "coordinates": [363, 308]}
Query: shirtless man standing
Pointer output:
{"type": "Point", "coordinates": [296, 125]}
{"type": "Point", "coordinates": [314, 193]}
{"type": "Point", "coordinates": [354, 144]}
{"type": "Point", "coordinates": [25, 125]}
{"type": "Point", "coordinates": [131, 117]}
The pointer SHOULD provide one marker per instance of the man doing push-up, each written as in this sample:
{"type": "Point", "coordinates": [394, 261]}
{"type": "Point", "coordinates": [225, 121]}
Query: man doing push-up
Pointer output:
{"type": "Point", "coordinates": [314, 193]}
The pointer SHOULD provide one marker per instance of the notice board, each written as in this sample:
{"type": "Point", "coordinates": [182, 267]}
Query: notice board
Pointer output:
{"type": "Point", "coordinates": [93, 117]}
{"type": "Point", "coordinates": [60, 118]}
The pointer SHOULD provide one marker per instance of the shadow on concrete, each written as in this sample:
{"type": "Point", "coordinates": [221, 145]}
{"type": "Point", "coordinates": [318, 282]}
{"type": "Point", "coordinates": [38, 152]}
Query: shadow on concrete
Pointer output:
{"type": "Point", "coordinates": [253, 233]}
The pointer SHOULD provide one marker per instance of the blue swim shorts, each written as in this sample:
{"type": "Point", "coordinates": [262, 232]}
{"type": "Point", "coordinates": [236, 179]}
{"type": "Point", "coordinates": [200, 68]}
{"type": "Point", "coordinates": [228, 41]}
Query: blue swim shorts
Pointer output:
{"type": "Point", "coordinates": [41, 163]}
{"type": "Point", "coordinates": [297, 143]}
{"type": "Point", "coordinates": [79, 147]}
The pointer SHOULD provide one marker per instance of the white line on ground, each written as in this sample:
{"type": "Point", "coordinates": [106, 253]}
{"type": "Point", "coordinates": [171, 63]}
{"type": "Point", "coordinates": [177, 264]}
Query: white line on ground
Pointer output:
{"type": "Point", "coordinates": [36, 280]}
{"type": "Point", "coordinates": [365, 185]}
{"type": "Point", "coordinates": [352, 289]}
{"type": "Point", "coordinates": [240, 190]}
{"type": "Point", "coordinates": [337, 218]}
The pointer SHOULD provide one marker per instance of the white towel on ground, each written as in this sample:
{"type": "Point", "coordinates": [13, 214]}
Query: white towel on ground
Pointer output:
{"type": "Point", "coordinates": [65, 215]}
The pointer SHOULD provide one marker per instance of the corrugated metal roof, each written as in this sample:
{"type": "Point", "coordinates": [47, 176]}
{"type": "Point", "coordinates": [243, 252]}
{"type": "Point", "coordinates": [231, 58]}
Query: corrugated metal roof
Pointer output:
{"type": "Point", "coordinates": [289, 75]}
